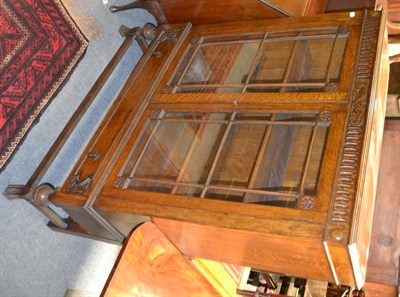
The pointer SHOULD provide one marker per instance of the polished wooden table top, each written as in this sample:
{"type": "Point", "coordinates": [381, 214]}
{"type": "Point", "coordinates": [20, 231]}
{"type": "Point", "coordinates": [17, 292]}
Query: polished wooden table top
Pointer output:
{"type": "Point", "coordinates": [150, 265]}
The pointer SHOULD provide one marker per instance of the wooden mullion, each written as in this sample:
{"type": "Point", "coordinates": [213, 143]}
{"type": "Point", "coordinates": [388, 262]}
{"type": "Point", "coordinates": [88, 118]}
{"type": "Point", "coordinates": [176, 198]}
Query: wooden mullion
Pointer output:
{"type": "Point", "coordinates": [144, 148]}
{"type": "Point", "coordinates": [187, 65]}
{"type": "Point", "coordinates": [331, 58]}
{"type": "Point", "coordinates": [258, 54]}
{"type": "Point", "coordinates": [260, 154]}
{"type": "Point", "coordinates": [289, 64]}
{"type": "Point", "coordinates": [308, 158]}
{"type": "Point", "coordinates": [217, 155]}
{"type": "Point", "coordinates": [188, 156]}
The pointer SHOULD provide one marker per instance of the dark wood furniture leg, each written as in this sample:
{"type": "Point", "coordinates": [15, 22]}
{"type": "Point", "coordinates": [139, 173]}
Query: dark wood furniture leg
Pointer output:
{"type": "Point", "coordinates": [151, 6]}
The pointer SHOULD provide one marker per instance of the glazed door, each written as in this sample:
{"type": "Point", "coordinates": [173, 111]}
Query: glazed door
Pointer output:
{"type": "Point", "coordinates": [245, 115]}
{"type": "Point", "coordinates": [249, 136]}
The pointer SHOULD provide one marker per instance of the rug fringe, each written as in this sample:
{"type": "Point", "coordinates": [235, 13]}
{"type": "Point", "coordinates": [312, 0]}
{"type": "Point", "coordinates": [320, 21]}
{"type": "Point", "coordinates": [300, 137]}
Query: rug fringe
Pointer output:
{"type": "Point", "coordinates": [86, 23]}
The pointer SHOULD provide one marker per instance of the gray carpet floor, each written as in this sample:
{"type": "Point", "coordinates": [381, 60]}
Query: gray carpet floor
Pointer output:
{"type": "Point", "coordinates": [35, 261]}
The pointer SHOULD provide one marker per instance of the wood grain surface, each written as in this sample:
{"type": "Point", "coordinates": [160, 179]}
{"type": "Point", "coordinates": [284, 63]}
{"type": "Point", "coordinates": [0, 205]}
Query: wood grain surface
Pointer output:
{"type": "Point", "coordinates": [383, 263]}
{"type": "Point", "coordinates": [150, 265]}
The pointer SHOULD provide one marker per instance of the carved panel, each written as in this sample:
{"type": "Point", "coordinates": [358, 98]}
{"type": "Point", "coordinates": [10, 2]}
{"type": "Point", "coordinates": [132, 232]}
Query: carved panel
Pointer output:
{"type": "Point", "coordinates": [77, 186]}
{"type": "Point", "coordinates": [346, 182]}
{"type": "Point", "coordinates": [119, 182]}
{"type": "Point", "coordinates": [325, 116]}
{"type": "Point", "coordinates": [306, 202]}
{"type": "Point", "coordinates": [195, 40]}
{"type": "Point", "coordinates": [343, 29]}
{"type": "Point", "coordinates": [168, 89]}
{"type": "Point", "coordinates": [169, 34]}
{"type": "Point", "coordinates": [155, 114]}
{"type": "Point", "coordinates": [331, 87]}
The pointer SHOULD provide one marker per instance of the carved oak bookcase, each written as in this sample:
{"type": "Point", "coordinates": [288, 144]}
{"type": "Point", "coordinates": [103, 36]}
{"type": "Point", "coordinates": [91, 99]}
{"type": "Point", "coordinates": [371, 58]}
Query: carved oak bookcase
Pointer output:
{"type": "Point", "coordinates": [253, 143]}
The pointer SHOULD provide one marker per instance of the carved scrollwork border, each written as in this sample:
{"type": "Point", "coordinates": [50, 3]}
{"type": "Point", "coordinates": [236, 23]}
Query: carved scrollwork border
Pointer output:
{"type": "Point", "coordinates": [78, 186]}
{"type": "Point", "coordinates": [346, 181]}
{"type": "Point", "coordinates": [169, 34]}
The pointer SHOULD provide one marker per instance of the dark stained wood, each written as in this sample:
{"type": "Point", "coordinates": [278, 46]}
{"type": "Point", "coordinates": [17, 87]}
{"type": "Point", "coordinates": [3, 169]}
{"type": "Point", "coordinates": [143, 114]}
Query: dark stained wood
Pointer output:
{"type": "Point", "coordinates": [76, 117]}
{"type": "Point", "coordinates": [384, 253]}
{"type": "Point", "coordinates": [337, 5]}
{"type": "Point", "coordinates": [394, 38]}
{"type": "Point", "coordinates": [150, 265]}
{"type": "Point", "coordinates": [209, 11]}
{"type": "Point", "coordinates": [75, 229]}
{"type": "Point", "coordinates": [316, 7]}
{"type": "Point", "coordinates": [394, 87]}
{"type": "Point", "coordinates": [392, 8]}
{"type": "Point", "coordinates": [87, 222]}
{"type": "Point", "coordinates": [300, 7]}
{"type": "Point", "coordinates": [395, 58]}
{"type": "Point", "coordinates": [212, 12]}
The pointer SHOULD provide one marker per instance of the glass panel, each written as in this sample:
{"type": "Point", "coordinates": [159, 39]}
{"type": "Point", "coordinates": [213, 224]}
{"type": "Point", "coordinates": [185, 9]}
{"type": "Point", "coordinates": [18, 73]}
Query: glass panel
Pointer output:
{"type": "Point", "coordinates": [271, 200]}
{"type": "Point", "coordinates": [221, 64]}
{"type": "Point", "coordinates": [297, 117]}
{"type": "Point", "coordinates": [233, 37]}
{"type": "Point", "coordinates": [252, 116]}
{"type": "Point", "coordinates": [311, 61]}
{"type": "Point", "coordinates": [246, 156]}
{"type": "Point", "coordinates": [337, 59]}
{"type": "Point", "coordinates": [187, 191]}
{"type": "Point", "coordinates": [238, 155]}
{"type": "Point", "coordinates": [185, 115]}
{"type": "Point", "coordinates": [207, 89]}
{"type": "Point", "coordinates": [166, 151]}
{"type": "Point", "coordinates": [272, 63]}
{"type": "Point", "coordinates": [183, 64]}
{"type": "Point", "coordinates": [313, 171]}
{"type": "Point", "coordinates": [282, 164]}
{"type": "Point", "coordinates": [139, 147]}
{"type": "Point", "coordinates": [225, 195]}
{"type": "Point", "coordinates": [262, 89]}
{"type": "Point", "coordinates": [303, 89]}
{"type": "Point", "coordinates": [204, 149]}
{"type": "Point", "coordinates": [295, 33]}
{"type": "Point", "coordinates": [149, 187]}
{"type": "Point", "coordinates": [287, 61]}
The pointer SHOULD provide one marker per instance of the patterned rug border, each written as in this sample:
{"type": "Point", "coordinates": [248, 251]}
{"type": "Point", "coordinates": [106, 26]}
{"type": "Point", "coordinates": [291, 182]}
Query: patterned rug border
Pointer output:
{"type": "Point", "coordinates": [34, 118]}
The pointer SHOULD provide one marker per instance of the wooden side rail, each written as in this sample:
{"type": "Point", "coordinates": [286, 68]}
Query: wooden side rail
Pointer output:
{"type": "Point", "coordinates": [37, 194]}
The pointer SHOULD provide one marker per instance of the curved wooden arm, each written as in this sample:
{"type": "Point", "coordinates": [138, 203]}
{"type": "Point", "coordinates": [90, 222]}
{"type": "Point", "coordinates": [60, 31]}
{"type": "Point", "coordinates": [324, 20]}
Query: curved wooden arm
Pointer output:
{"type": "Point", "coordinates": [151, 6]}
{"type": "Point", "coordinates": [383, 4]}
{"type": "Point", "coordinates": [393, 25]}
{"type": "Point", "coordinates": [394, 59]}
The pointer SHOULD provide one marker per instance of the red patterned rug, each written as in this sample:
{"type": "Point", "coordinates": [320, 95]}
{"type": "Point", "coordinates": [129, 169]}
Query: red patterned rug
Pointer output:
{"type": "Point", "coordinates": [39, 47]}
